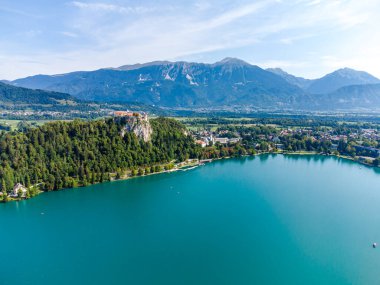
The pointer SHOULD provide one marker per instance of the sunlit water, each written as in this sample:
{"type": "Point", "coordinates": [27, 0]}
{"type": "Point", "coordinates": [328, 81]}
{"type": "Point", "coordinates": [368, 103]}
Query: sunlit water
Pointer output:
{"type": "Point", "coordinates": [264, 220]}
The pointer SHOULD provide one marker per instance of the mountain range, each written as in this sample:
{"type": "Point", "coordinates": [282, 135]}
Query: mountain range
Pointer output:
{"type": "Point", "coordinates": [230, 82]}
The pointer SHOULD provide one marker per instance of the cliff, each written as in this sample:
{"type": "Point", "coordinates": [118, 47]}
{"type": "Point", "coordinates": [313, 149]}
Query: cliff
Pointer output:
{"type": "Point", "coordinates": [137, 124]}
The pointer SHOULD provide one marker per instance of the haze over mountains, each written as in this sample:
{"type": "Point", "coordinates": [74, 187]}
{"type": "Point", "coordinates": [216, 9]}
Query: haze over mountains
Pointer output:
{"type": "Point", "coordinates": [230, 82]}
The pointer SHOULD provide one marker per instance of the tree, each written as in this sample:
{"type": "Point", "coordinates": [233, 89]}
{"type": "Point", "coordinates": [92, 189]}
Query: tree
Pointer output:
{"type": "Point", "coordinates": [119, 173]}
{"type": "Point", "coordinates": [23, 126]}
{"type": "Point", "coordinates": [93, 177]}
{"type": "Point", "coordinates": [3, 186]}
{"type": "Point", "coordinates": [27, 181]}
{"type": "Point", "coordinates": [5, 197]}
{"type": "Point", "coordinates": [133, 172]}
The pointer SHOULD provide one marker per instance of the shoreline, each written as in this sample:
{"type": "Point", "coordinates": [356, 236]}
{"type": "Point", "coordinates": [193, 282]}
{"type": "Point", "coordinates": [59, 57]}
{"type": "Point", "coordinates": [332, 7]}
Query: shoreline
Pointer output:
{"type": "Point", "coordinates": [195, 163]}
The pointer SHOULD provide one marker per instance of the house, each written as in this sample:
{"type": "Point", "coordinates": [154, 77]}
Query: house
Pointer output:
{"type": "Point", "coordinates": [201, 143]}
{"type": "Point", "coordinates": [19, 191]}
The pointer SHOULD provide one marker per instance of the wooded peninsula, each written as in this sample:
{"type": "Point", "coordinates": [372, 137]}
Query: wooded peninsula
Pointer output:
{"type": "Point", "coordinates": [62, 154]}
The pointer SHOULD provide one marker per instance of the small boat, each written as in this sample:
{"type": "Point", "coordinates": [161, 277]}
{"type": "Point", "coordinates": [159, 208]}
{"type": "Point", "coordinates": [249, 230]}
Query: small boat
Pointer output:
{"type": "Point", "coordinates": [189, 168]}
{"type": "Point", "coordinates": [374, 245]}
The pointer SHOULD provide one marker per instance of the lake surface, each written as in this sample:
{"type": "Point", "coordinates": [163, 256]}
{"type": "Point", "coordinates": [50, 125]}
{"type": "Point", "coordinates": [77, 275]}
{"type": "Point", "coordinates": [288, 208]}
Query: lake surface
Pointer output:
{"type": "Point", "coordinates": [263, 220]}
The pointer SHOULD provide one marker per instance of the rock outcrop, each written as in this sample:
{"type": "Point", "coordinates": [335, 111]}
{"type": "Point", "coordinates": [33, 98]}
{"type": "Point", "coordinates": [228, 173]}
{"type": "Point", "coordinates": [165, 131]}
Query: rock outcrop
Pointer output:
{"type": "Point", "coordinates": [138, 124]}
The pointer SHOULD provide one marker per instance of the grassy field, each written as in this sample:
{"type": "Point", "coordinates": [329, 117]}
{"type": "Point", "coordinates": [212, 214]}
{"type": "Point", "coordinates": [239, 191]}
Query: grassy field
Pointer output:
{"type": "Point", "coordinates": [13, 123]}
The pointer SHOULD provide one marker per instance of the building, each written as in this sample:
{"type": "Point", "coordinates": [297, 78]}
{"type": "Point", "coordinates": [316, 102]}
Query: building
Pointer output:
{"type": "Point", "coordinates": [201, 143]}
{"type": "Point", "coordinates": [208, 139]}
{"type": "Point", "coordinates": [221, 140]}
{"type": "Point", "coordinates": [234, 140]}
{"type": "Point", "coordinates": [19, 191]}
{"type": "Point", "coordinates": [141, 115]}
{"type": "Point", "coordinates": [124, 114]}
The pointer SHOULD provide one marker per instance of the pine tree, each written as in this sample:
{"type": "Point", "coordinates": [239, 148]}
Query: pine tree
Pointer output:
{"type": "Point", "coordinates": [27, 181]}
{"type": "Point", "coordinates": [3, 186]}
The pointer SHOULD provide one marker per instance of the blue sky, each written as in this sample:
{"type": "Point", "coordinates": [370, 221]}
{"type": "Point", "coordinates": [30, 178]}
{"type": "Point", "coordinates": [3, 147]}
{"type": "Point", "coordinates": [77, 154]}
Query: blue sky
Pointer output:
{"type": "Point", "coordinates": [305, 37]}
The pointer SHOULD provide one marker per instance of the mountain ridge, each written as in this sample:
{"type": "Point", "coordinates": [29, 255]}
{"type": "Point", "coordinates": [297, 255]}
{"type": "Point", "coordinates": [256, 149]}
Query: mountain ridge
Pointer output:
{"type": "Point", "coordinates": [228, 82]}
{"type": "Point", "coordinates": [173, 84]}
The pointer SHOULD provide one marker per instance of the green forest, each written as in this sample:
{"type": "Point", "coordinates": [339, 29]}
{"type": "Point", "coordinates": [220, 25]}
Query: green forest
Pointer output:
{"type": "Point", "coordinates": [78, 153]}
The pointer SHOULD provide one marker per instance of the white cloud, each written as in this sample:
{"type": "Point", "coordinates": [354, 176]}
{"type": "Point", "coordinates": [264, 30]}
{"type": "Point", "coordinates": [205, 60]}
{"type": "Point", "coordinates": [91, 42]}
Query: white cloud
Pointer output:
{"type": "Point", "coordinates": [235, 14]}
{"type": "Point", "coordinates": [104, 7]}
{"type": "Point", "coordinates": [279, 33]}
{"type": "Point", "coordinates": [18, 12]}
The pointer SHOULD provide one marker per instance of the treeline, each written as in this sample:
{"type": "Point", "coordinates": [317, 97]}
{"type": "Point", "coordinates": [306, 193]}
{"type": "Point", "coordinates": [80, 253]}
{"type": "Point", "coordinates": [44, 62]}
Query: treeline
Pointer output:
{"type": "Point", "coordinates": [312, 122]}
{"type": "Point", "coordinates": [68, 154]}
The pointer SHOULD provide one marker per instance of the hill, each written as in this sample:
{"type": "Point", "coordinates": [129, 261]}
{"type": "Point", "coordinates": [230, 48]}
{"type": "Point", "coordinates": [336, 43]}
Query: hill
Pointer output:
{"type": "Point", "coordinates": [351, 97]}
{"type": "Point", "coordinates": [67, 154]}
{"type": "Point", "coordinates": [11, 95]}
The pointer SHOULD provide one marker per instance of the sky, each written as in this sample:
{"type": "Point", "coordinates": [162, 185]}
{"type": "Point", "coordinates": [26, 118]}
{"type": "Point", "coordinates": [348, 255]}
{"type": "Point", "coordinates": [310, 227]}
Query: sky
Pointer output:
{"type": "Point", "coordinates": [308, 38]}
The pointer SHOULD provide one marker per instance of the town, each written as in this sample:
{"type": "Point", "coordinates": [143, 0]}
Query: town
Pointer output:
{"type": "Point", "coordinates": [356, 142]}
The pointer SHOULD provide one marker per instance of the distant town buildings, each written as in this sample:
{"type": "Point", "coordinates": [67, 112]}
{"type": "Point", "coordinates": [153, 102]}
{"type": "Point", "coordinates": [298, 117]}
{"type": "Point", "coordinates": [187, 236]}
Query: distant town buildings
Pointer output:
{"type": "Point", "coordinates": [205, 138]}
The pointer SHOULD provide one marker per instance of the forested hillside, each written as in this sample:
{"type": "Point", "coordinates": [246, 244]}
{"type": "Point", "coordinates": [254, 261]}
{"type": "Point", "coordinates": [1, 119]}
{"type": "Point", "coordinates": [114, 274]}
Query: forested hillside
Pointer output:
{"type": "Point", "coordinates": [67, 154]}
{"type": "Point", "coordinates": [17, 95]}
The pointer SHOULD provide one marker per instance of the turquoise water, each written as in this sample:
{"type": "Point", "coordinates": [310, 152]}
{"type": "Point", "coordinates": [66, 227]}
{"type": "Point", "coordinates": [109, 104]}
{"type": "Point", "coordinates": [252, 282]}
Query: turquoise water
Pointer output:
{"type": "Point", "coordinates": [263, 220]}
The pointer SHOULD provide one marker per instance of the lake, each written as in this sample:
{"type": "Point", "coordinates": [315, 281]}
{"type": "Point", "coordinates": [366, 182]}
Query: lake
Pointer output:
{"type": "Point", "coordinates": [271, 219]}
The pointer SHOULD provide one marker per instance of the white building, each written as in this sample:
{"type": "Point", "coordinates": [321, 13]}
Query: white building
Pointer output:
{"type": "Point", "coordinates": [221, 140]}
{"type": "Point", "coordinates": [19, 191]}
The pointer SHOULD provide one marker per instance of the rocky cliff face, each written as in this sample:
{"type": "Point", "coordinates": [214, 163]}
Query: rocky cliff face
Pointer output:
{"type": "Point", "coordinates": [139, 125]}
